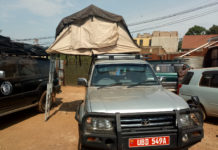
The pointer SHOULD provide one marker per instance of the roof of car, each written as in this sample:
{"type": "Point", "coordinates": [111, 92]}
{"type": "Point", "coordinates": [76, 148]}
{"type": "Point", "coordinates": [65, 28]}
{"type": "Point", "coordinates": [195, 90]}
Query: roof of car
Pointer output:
{"type": "Point", "coordinates": [200, 70]}
{"type": "Point", "coordinates": [134, 61]}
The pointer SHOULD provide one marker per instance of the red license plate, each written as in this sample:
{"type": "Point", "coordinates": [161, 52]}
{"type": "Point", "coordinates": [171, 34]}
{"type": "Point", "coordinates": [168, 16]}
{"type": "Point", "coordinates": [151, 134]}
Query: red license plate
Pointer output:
{"type": "Point", "coordinates": [149, 141]}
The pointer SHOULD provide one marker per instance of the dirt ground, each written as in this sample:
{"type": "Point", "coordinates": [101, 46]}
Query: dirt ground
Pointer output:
{"type": "Point", "coordinates": [27, 130]}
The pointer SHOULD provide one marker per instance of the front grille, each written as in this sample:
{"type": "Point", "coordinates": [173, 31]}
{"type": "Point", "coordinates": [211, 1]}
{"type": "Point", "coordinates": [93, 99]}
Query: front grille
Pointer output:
{"type": "Point", "coordinates": [147, 123]}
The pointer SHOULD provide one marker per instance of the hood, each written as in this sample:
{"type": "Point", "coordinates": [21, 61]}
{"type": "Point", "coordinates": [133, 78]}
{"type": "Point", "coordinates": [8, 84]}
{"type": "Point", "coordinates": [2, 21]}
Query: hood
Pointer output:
{"type": "Point", "coordinates": [133, 99]}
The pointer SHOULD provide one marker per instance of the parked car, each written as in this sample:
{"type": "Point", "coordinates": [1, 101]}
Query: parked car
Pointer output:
{"type": "Point", "coordinates": [126, 107]}
{"type": "Point", "coordinates": [168, 70]}
{"type": "Point", "coordinates": [202, 83]}
{"type": "Point", "coordinates": [23, 82]}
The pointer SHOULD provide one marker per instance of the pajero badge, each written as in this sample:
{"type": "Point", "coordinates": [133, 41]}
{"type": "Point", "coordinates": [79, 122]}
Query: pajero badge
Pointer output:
{"type": "Point", "coordinates": [6, 88]}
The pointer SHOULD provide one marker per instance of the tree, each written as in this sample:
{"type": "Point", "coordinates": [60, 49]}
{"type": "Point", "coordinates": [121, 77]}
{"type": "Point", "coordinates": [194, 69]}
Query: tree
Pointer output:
{"type": "Point", "coordinates": [196, 30]}
{"type": "Point", "coordinates": [213, 30]}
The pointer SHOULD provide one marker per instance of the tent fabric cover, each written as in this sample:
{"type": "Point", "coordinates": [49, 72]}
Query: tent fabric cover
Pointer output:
{"type": "Point", "coordinates": [80, 18]}
{"type": "Point", "coordinates": [93, 31]}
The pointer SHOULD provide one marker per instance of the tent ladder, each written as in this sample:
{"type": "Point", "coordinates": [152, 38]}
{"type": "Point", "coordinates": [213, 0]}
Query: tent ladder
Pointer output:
{"type": "Point", "coordinates": [50, 86]}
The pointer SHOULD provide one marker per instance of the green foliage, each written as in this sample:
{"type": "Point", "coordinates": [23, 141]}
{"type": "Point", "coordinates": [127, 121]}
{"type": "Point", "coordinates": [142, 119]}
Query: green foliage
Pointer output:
{"type": "Point", "coordinates": [213, 30]}
{"type": "Point", "coordinates": [196, 30]}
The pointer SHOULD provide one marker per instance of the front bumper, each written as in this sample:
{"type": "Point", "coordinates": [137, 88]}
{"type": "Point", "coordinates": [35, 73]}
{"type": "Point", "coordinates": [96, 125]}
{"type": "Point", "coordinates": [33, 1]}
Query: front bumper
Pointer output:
{"type": "Point", "coordinates": [119, 138]}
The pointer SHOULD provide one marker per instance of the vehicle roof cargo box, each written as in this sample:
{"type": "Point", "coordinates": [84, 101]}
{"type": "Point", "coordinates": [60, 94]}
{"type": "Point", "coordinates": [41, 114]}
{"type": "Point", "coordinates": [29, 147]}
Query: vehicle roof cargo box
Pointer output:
{"type": "Point", "coordinates": [14, 48]}
{"type": "Point", "coordinates": [93, 31]}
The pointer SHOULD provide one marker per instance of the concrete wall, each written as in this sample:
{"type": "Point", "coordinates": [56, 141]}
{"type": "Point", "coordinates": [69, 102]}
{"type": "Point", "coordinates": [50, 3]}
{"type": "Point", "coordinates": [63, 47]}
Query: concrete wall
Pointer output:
{"type": "Point", "coordinates": [168, 40]}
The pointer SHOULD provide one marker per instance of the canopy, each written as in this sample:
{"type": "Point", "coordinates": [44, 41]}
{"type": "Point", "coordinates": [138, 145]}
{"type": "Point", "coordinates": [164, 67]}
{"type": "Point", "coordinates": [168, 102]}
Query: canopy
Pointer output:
{"type": "Point", "coordinates": [93, 31]}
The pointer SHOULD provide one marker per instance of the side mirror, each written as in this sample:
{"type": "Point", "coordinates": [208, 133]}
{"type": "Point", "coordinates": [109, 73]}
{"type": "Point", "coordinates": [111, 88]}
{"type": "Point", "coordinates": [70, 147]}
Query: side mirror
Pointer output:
{"type": "Point", "coordinates": [2, 74]}
{"type": "Point", "coordinates": [161, 79]}
{"type": "Point", "coordinates": [195, 100]}
{"type": "Point", "coordinates": [82, 81]}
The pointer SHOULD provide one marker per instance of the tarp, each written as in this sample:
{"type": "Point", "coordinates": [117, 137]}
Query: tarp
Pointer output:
{"type": "Point", "coordinates": [93, 31]}
{"type": "Point", "coordinates": [10, 47]}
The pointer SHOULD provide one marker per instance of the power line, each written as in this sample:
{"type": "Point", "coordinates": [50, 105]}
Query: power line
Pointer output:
{"type": "Point", "coordinates": [173, 15]}
{"type": "Point", "coordinates": [177, 21]}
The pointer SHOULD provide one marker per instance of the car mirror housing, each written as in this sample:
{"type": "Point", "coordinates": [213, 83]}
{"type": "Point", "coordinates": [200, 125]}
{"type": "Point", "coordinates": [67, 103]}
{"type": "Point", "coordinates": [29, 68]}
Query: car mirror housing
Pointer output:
{"type": "Point", "coordinates": [161, 79]}
{"type": "Point", "coordinates": [2, 74]}
{"type": "Point", "coordinates": [82, 81]}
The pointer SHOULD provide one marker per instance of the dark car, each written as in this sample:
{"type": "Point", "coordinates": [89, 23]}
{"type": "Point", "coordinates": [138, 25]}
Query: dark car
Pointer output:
{"type": "Point", "coordinates": [23, 83]}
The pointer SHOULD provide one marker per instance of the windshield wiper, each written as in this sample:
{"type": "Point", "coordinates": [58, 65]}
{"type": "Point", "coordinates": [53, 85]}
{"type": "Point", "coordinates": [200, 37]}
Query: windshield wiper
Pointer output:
{"type": "Point", "coordinates": [144, 83]}
{"type": "Point", "coordinates": [113, 84]}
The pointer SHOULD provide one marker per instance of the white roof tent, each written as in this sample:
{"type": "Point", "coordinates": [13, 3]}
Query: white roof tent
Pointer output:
{"type": "Point", "coordinates": [91, 31]}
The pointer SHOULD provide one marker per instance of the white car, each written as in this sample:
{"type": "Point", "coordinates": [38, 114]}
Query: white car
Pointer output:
{"type": "Point", "coordinates": [202, 83]}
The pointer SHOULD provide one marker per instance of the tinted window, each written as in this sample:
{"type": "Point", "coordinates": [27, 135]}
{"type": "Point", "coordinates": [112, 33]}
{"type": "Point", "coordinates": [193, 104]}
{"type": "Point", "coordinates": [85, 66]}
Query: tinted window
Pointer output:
{"type": "Point", "coordinates": [44, 67]}
{"type": "Point", "coordinates": [205, 80]}
{"type": "Point", "coordinates": [210, 79]}
{"type": "Point", "coordinates": [9, 66]}
{"type": "Point", "coordinates": [214, 81]}
{"type": "Point", "coordinates": [28, 67]}
{"type": "Point", "coordinates": [187, 78]}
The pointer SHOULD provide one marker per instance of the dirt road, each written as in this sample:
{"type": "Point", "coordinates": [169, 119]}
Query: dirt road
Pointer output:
{"type": "Point", "coordinates": [27, 130]}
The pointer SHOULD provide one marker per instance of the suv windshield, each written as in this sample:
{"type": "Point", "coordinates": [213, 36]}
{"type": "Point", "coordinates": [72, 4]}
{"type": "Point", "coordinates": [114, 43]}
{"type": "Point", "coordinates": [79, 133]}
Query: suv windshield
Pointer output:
{"type": "Point", "coordinates": [123, 74]}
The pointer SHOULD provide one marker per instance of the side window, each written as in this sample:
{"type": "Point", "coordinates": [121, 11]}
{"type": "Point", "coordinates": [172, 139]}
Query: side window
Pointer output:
{"type": "Point", "coordinates": [44, 67]}
{"type": "Point", "coordinates": [9, 65]}
{"type": "Point", "coordinates": [28, 68]}
{"type": "Point", "coordinates": [205, 80]}
{"type": "Point", "coordinates": [188, 78]}
{"type": "Point", "coordinates": [141, 42]}
{"type": "Point", "coordinates": [214, 81]}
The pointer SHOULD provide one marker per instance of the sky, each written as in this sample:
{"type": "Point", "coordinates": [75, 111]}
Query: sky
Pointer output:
{"type": "Point", "coordinates": [21, 19]}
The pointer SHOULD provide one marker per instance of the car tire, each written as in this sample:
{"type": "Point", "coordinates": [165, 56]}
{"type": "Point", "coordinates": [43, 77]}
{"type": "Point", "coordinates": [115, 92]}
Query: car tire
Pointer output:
{"type": "Point", "coordinates": [42, 102]}
{"type": "Point", "coordinates": [80, 147]}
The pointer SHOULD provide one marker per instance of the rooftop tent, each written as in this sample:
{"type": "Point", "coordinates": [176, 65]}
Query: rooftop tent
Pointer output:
{"type": "Point", "coordinates": [93, 31]}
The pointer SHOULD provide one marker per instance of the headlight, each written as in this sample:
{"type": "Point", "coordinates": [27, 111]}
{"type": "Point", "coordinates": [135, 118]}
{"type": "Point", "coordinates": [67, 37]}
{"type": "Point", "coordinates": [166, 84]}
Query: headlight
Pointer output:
{"type": "Point", "coordinates": [186, 120]}
{"type": "Point", "coordinates": [98, 124]}
{"type": "Point", "coordinates": [197, 118]}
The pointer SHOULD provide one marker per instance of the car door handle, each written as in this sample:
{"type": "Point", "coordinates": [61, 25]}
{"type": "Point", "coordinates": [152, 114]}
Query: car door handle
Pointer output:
{"type": "Point", "coordinates": [40, 80]}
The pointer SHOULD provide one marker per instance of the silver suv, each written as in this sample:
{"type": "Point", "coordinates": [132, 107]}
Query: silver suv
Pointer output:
{"type": "Point", "coordinates": [126, 107]}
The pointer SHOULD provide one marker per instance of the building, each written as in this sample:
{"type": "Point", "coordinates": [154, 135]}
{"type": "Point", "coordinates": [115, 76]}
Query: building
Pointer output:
{"type": "Point", "coordinates": [168, 40]}
{"type": "Point", "coordinates": [143, 40]}
{"type": "Point", "coordinates": [191, 42]}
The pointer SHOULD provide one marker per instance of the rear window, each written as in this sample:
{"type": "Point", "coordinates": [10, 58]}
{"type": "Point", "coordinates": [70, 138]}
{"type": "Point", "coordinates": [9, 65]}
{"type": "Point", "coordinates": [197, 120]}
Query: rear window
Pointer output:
{"type": "Point", "coordinates": [188, 78]}
{"type": "Point", "coordinates": [164, 68]}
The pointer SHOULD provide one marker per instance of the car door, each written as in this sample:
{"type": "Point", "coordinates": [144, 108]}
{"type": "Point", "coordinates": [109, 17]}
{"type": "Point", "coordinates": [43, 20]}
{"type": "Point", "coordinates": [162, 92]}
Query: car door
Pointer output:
{"type": "Point", "coordinates": [30, 79]}
{"type": "Point", "coordinates": [187, 86]}
{"type": "Point", "coordinates": [10, 86]}
{"type": "Point", "coordinates": [208, 92]}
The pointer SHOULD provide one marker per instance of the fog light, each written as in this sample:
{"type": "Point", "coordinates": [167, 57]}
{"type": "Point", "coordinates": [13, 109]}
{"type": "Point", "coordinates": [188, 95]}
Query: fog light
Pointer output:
{"type": "Point", "coordinates": [92, 139]}
{"type": "Point", "coordinates": [185, 138]}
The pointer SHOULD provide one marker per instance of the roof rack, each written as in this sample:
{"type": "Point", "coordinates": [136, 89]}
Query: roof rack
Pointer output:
{"type": "Point", "coordinates": [118, 57]}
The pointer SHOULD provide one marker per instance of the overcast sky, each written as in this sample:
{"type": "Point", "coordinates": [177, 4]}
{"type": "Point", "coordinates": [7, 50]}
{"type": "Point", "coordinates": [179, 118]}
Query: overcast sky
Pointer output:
{"type": "Point", "coordinates": [20, 19]}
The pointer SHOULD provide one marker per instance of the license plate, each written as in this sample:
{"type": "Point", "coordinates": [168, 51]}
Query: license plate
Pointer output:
{"type": "Point", "coordinates": [149, 141]}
